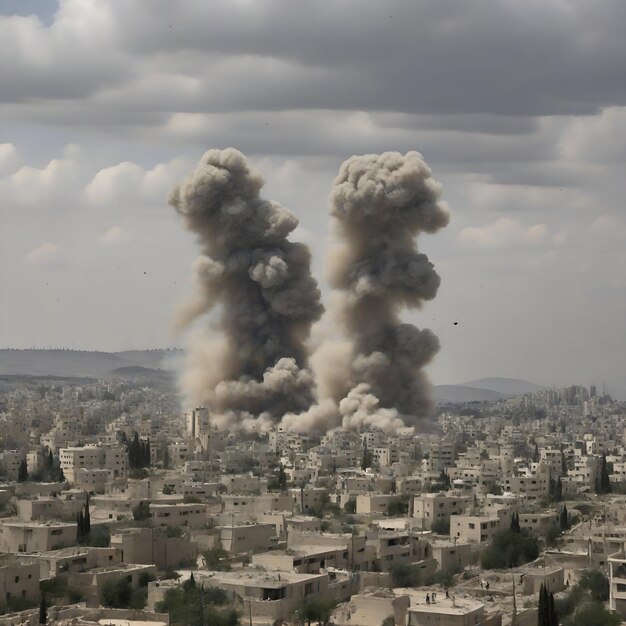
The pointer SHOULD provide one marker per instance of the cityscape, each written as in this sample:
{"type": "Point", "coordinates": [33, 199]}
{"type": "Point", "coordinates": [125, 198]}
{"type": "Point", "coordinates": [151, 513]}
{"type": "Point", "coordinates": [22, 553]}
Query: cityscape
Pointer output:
{"type": "Point", "coordinates": [312, 314]}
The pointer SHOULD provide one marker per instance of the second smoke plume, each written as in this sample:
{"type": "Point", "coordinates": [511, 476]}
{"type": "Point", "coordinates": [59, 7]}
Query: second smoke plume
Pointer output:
{"type": "Point", "coordinates": [380, 203]}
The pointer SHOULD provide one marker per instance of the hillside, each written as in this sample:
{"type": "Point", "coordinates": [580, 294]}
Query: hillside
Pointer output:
{"type": "Point", "coordinates": [506, 386]}
{"type": "Point", "coordinates": [462, 394]}
{"type": "Point", "coordinates": [78, 363]}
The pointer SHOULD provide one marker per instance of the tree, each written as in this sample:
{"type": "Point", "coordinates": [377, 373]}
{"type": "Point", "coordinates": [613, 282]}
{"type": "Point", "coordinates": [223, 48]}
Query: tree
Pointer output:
{"type": "Point", "coordinates": [444, 479]}
{"type": "Point", "coordinates": [80, 526]}
{"type": "Point", "coordinates": [22, 471]}
{"type": "Point", "coordinates": [542, 612]}
{"type": "Point", "coordinates": [594, 614]}
{"type": "Point", "coordinates": [87, 517]}
{"type": "Point", "coordinates": [536, 453]}
{"type": "Point", "coordinates": [316, 610]}
{"type": "Point", "coordinates": [282, 478]}
{"type": "Point", "coordinates": [186, 605]}
{"type": "Point", "coordinates": [564, 519]}
{"type": "Point", "coordinates": [555, 493]}
{"type": "Point", "coordinates": [553, 617]}
{"type": "Point", "coordinates": [398, 507]}
{"type": "Point", "coordinates": [441, 526]}
{"type": "Point", "coordinates": [563, 464]}
{"type": "Point", "coordinates": [596, 583]}
{"type": "Point", "coordinates": [404, 574]}
{"type": "Point", "coordinates": [116, 594]}
{"type": "Point", "coordinates": [350, 506]}
{"type": "Point", "coordinates": [515, 527]}
{"type": "Point", "coordinates": [552, 535]}
{"type": "Point", "coordinates": [43, 610]}
{"type": "Point", "coordinates": [141, 511]}
{"type": "Point", "coordinates": [366, 459]}
{"type": "Point", "coordinates": [603, 482]}
{"type": "Point", "coordinates": [509, 549]}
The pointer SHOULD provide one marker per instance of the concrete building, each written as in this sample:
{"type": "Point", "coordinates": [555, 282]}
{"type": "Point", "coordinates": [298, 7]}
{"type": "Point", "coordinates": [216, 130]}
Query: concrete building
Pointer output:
{"type": "Point", "coordinates": [375, 503]}
{"type": "Point", "coordinates": [111, 458]}
{"type": "Point", "coordinates": [91, 582]}
{"type": "Point", "coordinates": [248, 537]}
{"type": "Point", "coordinates": [179, 515]}
{"type": "Point", "coordinates": [77, 559]}
{"type": "Point", "coordinates": [147, 546]}
{"type": "Point", "coordinates": [19, 580]}
{"type": "Point", "coordinates": [253, 505]}
{"type": "Point", "coordinates": [451, 554]}
{"type": "Point", "coordinates": [432, 507]}
{"type": "Point", "coordinates": [265, 596]}
{"type": "Point", "coordinates": [48, 508]}
{"type": "Point", "coordinates": [617, 583]}
{"type": "Point", "coordinates": [35, 536]}
{"type": "Point", "coordinates": [474, 528]}
{"type": "Point", "coordinates": [450, 611]}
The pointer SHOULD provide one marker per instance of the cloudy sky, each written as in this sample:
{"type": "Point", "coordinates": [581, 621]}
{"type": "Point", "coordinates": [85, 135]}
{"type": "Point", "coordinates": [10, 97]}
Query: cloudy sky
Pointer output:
{"type": "Point", "coordinates": [518, 107]}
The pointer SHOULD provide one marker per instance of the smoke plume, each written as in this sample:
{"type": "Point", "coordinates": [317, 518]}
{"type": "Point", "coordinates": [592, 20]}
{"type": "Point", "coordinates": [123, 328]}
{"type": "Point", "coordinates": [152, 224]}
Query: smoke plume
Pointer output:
{"type": "Point", "coordinates": [379, 204]}
{"type": "Point", "coordinates": [261, 281]}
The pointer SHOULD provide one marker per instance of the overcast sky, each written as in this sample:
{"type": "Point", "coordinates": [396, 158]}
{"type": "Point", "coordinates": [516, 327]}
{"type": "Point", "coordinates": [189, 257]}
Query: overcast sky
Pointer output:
{"type": "Point", "coordinates": [518, 107]}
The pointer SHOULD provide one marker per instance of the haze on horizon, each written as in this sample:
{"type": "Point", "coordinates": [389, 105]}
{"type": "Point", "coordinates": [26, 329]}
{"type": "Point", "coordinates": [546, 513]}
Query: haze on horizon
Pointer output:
{"type": "Point", "coordinates": [519, 109]}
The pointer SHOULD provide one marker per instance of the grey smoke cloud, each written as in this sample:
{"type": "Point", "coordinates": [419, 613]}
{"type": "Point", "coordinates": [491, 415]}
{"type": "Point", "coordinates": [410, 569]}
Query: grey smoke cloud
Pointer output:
{"type": "Point", "coordinates": [379, 204]}
{"type": "Point", "coordinates": [262, 283]}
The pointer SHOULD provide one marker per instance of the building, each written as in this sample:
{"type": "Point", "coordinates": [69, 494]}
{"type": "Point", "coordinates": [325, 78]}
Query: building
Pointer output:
{"type": "Point", "coordinates": [35, 536]}
{"type": "Point", "coordinates": [147, 546]}
{"type": "Point", "coordinates": [19, 580]}
{"type": "Point", "coordinates": [438, 507]}
{"type": "Point", "coordinates": [474, 528]}
{"type": "Point", "coordinates": [111, 458]}
{"type": "Point", "coordinates": [248, 537]}
{"type": "Point", "coordinates": [179, 515]}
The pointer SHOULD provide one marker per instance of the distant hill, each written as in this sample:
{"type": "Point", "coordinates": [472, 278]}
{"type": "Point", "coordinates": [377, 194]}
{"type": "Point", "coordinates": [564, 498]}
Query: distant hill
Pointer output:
{"type": "Point", "coordinates": [134, 372]}
{"type": "Point", "coordinates": [507, 386]}
{"type": "Point", "coordinates": [79, 363]}
{"type": "Point", "coordinates": [461, 394]}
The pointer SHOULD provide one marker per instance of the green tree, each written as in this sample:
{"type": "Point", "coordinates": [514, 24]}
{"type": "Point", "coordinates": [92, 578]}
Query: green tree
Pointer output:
{"type": "Point", "coordinates": [350, 506]}
{"type": "Point", "coordinates": [316, 610]}
{"type": "Point", "coordinates": [366, 459]}
{"type": "Point", "coordinates": [399, 507]}
{"type": "Point", "coordinates": [536, 453]}
{"type": "Point", "coordinates": [116, 594]}
{"type": "Point", "coordinates": [564, 519]}
{"type": "Point", "coordinates": [441, 526]}
{"type": "Point", "coordinates": [444, 479]}
{"type": "Point", "coordinates": [603, 482]}
{"type": "Point", "coordinates": [515, 527]}
{"type": "Point", "coordinates": [141, 511]}
{"type": "Point", "coordinates": [193, 604]}
{"type": "Point", "coordinates": [404, 574]}
{"type": "Point", "coordinates": [553, 616]}
{"type": "Point", "coordinates": [87, 517]}
{"type": "Point", "coordinates": [80, 526]}
{"type": "Point", "coordinates": [596, 583]}
{"type": "Point", "coordinates": [22, 471]}
{"type": "Point", "coordinates": [43, 610]}
{"type": "Point", "coordinates": [552, 535]}
{"type": "Point", "coordinates": [593, 614]}
{"type": "Point", "coordinates": [543, 618]}
{"type": "Point", "coordinates": [509, 549]}
{"type": "Point", "coordinates": [282, 478]}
